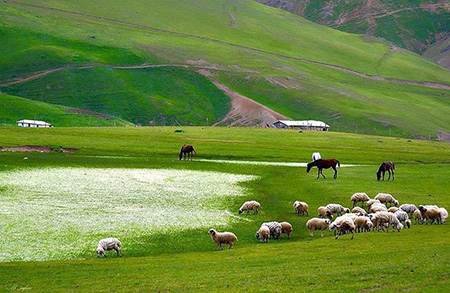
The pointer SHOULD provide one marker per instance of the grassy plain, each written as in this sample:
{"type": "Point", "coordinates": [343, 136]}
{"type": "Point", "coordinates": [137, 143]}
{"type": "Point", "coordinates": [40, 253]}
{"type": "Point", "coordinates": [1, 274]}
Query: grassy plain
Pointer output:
{"type": "Point", "coordinates": [185, 259]}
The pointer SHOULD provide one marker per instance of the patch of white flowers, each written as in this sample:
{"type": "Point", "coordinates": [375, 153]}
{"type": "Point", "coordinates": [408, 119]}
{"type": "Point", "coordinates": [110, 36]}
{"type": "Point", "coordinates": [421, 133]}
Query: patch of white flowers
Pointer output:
{"type": "Point", "coordinates": [56, 213]}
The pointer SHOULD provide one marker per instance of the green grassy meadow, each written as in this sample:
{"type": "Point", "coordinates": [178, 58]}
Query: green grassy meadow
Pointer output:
{"type": "Point", "coordinates": [415, 259]}
{"type": "Point", "coordinates": [280, 60]}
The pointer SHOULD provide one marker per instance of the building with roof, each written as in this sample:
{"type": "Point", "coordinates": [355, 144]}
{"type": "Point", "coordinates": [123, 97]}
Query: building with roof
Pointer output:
{"type": "Point", "coordinates": [302, 124]}
{"type": "Point", "coordinates": [33, 123]}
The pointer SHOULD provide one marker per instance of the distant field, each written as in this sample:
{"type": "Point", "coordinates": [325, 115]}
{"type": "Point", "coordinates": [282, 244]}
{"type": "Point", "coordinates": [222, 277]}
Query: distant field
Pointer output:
{"type": "Point", "coordinates": [154, 258]}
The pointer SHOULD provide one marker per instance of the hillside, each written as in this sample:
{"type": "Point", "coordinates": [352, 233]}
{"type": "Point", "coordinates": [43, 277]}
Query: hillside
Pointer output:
{"type": "Point", "coordinates": [440, 52]}
{"type": "Point", "coordinates": [414, 25]}
{"type": "Point", "coordinates": [156, 62]}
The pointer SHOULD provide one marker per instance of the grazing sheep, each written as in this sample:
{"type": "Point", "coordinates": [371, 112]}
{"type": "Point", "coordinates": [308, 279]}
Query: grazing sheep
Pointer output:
{"type": "Point", "coordinates": [433, 214]}
{"type": "Point", "coordinates": [286, 228]}
{"type": "Point", "coordinates": [409, 208]}
{"type": "Point", "coordinates": [386, 198]}
{"type": "Point", "coordinates": [378, 207]}
{"type": "Point", "coordinates": [317, 224]}
{"type": "Point", "coordinates": [417, 217]}
{"type": "Point", "coordinates": [402, 216]}
{"type": "Point", "coordinates": [370, 202]}
{"type": "Point", "coordinates": [323, 212]}
{"type": "Point", "coordinates": [343, 225]}
{"type": "Point", "coordinates": [316, 156]}
{"type": "Point", "coordinates": [444, 215]}
{"type": "Point", "coordinates": [249, 205]}
{"type": "Point", "coordinates": [337, 208]}
{"type": "Point", "coordinates": [222, 238]}
{"type": "Point", "coordinates": [363, 224]}
{"type": "Point", "coordinates": [389, 219]}
{"type": "Point", "coordinates": [392, 209]}
{"type": "Point", "coordinates": [275, 229]}
{"type": "Point", "coordinates": [301, 208]}
{"type": "Point", "coordinates": [109, 244]}
{"type": "Point", "coordinates": [359, 211]}
{"type": "Point", "coordinates": [359, 197]}
{"type": "Point", "coordinates": [263, 233]}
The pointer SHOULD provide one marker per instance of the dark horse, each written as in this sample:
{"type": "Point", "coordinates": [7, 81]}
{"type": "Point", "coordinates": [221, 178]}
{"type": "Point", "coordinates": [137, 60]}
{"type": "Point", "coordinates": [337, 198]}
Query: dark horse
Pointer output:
{"type": "Point", "coordinates": [323, 164]}
{"type": "Point", "coordinates": [386, 166]}
{"type": "Point", "coordinates": [188, 150]}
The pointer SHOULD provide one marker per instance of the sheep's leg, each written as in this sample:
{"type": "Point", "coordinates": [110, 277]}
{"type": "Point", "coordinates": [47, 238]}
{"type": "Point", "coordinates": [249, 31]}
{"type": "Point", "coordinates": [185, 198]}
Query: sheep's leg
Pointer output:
{"type": "Point", "coordinates": [353, 234]}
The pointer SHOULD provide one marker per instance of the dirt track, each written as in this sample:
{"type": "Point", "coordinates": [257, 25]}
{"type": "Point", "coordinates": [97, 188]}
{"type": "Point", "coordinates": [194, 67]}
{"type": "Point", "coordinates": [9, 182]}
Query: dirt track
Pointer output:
{"type": "Point", "coordinates": [332, 66]}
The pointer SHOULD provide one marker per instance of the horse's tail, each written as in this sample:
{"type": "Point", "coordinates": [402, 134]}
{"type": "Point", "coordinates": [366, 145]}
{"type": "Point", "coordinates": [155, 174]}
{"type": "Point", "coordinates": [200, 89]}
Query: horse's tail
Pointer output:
{"type": "Point", "coordinates": [194, 151]}
{"type": "Point", "coordinates": [393, 166]}
{"type": "Point", "coordinates": [339, 164]}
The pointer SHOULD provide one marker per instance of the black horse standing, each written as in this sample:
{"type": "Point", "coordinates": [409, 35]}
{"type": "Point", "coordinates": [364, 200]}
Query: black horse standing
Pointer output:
{"type": "Point", "coordinates": [386, 166]}
{"type": "Point", "coordinates": [188, 150]}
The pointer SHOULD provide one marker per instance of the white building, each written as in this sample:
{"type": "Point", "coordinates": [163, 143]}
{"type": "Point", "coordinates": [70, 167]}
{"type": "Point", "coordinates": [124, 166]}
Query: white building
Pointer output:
{"type": "Point", "coordinates": [33, 123]}
{"type": "Point", "coordinates": [302, 124]}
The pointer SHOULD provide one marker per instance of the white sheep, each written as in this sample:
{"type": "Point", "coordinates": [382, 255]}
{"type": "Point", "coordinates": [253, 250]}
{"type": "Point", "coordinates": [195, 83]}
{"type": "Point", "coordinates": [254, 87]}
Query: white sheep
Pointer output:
{"type": "Point", "coordinates": [407, 207]}
{"type": "Point", "coordinates": [343, 225]}
{"type": "Point", "coordinates": [109, 244]}
{"type": "Point", "coordinates": [250, 205]}
{"type": "Point", "coordinates": [359, 197]}
{"type": "Point", "coordinates": [317, 224]}
{"type": "Point", "coordinates": [286, 228]}
{"type": "Point", "coordinates": [444, 215]}
{"type": "Point", "coordinates": [316, 156]}
{"type": "Point", "coordinates": [417, 216]}
{"type": "Point", "coordinates": [378, 207]}
{"type": "Point", "coordinates": [323, 212]}
{"type": "Point", "coordinates": [393, 209]}
{"type": "Point", "coordinates": [389, 219]}
{"type": "Point", "coordinates": [359, 211]}
{"type": "Point", "coordinates": [363, 224]}
{"type": "Point", "coordinates": [370, 202]}
{"type": "Point", "coordinates": [263, 233]}
{"type": "Point", "coordinates": [402, 216]}
{"type": "Point", "coordinates": [223, 238]}
{"type": "Point", "coordinates": [275, 229]}
{"type": "Point", "coordinates": [386, 198]}
{"type": "Point", "coordinates": [301, 208]}
{"type": "Point", "coordinates": [337, 208]}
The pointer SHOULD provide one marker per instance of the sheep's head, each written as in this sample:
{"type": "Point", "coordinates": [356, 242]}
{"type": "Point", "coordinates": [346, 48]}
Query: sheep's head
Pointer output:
{"type": "Point", "coordinates": [332, 226]}
{"type": "Point", "coordinates": [240, 211]}
{"type": "Point", "coordinates": [408, 223]}
{"type": "Point", "coordinates": [257, 235]}
{"type": "Point", "coordinates": [212, 232]}
{"type": "Point", "coordinates": [100, 251]}
{"type": "Point", "coordinates": [347, 210]}
{"type": "Point", "coordinates": [396, 203]}
{"type": "Point", "coordinates": [399, 227]}
{"type": "Point", "coordinates": [327, 221]}
{"type": "Point", "coordinates": [329, 215]}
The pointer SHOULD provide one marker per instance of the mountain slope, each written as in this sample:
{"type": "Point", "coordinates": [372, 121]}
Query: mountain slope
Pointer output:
{"type": "Point", "coordinates": [107, 54]}
{"type": "Point", "coordinates": [414, 25]}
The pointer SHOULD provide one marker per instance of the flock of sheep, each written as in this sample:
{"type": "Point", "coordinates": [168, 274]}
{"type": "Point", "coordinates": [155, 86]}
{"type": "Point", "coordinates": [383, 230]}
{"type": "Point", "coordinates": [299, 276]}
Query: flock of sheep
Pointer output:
{"type": "Point", "coordinates": [383, 212]}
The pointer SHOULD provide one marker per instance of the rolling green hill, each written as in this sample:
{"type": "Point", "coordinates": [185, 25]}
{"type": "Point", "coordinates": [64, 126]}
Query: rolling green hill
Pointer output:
{"type": "Point", "coordinates": [157, 62]}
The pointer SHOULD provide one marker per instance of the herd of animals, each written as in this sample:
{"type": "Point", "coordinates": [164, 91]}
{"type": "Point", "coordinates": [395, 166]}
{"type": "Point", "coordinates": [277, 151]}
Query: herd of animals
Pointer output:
{"type": "Point", "coordinates": [383, 212]}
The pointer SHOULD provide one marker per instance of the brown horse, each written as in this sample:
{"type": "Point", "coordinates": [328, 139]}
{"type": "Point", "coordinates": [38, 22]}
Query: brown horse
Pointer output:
{"type": "Point", "coordinates": [323, 164]}
{"type": "Point", "coordinates": [188, 150]}
{"type": "Point", "coordinates": [386, 166]}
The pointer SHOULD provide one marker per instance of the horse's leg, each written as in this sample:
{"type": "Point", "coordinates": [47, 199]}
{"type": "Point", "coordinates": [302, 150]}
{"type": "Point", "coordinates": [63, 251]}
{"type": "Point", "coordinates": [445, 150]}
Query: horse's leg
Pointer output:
{"type": "Point", "coordinates": [321, 172]}
{"type": "Point", "coordinates": [318, 173]}
{"type": "Point", "coordinates": [384, 172]}
{"type": "Point", "coordinates": [335, 172]}
{"type": "Point", "coordinates": [392, 174]}
{"type": "Point", "coordinates": [389, 172]}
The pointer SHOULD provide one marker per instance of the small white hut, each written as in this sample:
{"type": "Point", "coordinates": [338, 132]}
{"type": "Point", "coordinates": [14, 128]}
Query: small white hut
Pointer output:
{"type": "Point", "coordinates": [302, 124]}
{"type": "Point", "coordinates": [33, 123]}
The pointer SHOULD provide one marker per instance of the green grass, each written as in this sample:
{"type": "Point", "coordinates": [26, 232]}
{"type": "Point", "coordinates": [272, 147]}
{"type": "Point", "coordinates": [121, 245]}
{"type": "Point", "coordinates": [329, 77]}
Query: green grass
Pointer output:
{"type": "Point", "coordinates": [387, 261]}
{"type": "Point", "coordinates": [49, 39]}
{"type": "Point", "coordinates": [14, 108]}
